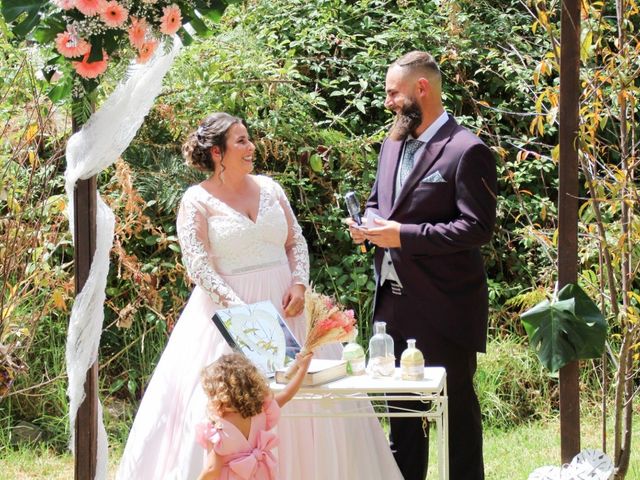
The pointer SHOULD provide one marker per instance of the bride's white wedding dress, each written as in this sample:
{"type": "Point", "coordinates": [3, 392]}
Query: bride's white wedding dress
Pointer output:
{"type": "Point", "coordinates": [233, 260]}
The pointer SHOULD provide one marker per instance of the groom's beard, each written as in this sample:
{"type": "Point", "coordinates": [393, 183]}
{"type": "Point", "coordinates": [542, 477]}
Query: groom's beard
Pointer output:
{"type": "Point", "coordinates": [407, 120]}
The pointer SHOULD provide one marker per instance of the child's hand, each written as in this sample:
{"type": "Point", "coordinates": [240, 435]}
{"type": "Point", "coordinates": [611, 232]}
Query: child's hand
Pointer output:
{"type": "Point", "coordinates": [303, 361]}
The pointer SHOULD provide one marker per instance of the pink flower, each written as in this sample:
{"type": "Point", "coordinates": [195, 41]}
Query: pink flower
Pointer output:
{"type": "Point", "coordinates": [147, 50]}
{"type": "Point", "coordinates": [65, 4]}
{"type": "Point", "coordinates": [328, 302]}
{"type": "Point", "coordinates": [327, 325]}
{"type": "Point", "coordinates": [89, 7]}
{"type": "Point", "coordinates": [171, 20]}
{"type": "Point", "coordinates": [70, 45]}
{"type": "Point", "coordinates": [88, 69]}
{"type": "Point", "coordinates": [113, 14]}
{"type": "Point", "coordinates": [138, 32]}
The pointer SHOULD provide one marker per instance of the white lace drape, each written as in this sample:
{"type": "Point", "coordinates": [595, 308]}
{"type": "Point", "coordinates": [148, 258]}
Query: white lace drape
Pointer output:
{"type": "Point", "coordinates": [96, 146]}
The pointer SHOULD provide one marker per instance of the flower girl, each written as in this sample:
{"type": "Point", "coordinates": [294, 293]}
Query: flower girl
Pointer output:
{"type": "Point", "coordinates": [242, 412]}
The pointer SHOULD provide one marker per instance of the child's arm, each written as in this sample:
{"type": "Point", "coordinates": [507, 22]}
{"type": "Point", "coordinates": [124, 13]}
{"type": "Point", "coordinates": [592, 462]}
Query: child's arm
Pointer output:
{"type": "Point", "coordinates": [212, 469]}
{"type": "Point", "coordinates": [294, 384]}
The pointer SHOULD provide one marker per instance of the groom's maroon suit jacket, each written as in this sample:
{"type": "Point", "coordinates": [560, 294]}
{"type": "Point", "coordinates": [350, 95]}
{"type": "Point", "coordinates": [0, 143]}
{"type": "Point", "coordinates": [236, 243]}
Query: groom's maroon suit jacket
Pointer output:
{"type": "Point", "coordinates": [447, 208]}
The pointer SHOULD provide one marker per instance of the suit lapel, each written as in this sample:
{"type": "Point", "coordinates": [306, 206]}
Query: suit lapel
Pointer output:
{"type": "Point", "coordinates": [425, 161]}
{"type": "Point", "coordinates": [387, 175]}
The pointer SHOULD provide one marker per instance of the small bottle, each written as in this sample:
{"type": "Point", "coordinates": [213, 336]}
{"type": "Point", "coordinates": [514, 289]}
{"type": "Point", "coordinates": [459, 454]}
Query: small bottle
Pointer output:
{"type": "Point", "coordinates": [412, 362]}
{"type": "Point", "coordinates": [382, 362]}
{"type": "Point", "coordinates": [353, 353]}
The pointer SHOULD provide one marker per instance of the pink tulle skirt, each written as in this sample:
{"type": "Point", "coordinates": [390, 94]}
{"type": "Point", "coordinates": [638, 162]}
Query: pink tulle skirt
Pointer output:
{"type": "Point", "coordinates": [162, 441]}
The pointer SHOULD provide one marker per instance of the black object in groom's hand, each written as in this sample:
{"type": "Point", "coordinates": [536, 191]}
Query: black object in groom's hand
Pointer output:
{"type": "Point", "coordinates": [353, 206]}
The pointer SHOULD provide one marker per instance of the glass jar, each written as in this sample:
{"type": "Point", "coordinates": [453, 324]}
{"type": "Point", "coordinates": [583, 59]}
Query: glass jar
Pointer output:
{"type": "Point", "coordinates": [412, 362]}
{"type": "Point", "coordinates": [353, 354]}
{"type": "Point", "coordinates": [382, 362]}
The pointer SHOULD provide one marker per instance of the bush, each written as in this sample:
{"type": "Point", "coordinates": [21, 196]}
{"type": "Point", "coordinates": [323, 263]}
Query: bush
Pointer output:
{"type": "Point", "coordinates": [513, 387]}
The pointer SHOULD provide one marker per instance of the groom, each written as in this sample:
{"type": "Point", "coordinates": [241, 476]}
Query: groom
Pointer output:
{"type": "Point", "coordinates": [436, 193]}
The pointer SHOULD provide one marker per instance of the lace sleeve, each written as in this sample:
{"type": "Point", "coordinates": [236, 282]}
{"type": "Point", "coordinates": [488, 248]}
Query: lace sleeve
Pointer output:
{"type": "Point", "coordinates": [193, 236]}
{"type": "Point", "coordinates": [296, 245]}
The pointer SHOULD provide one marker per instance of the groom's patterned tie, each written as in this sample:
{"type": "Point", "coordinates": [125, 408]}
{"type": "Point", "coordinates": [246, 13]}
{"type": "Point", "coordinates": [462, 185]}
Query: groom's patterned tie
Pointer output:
{"type": "Point", "coordinates": [410, 148]}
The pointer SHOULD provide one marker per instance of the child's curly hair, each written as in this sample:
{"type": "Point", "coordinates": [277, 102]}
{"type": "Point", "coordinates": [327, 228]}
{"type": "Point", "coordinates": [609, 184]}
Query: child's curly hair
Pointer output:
{"type": "Point", "coordinates": [233, 382]}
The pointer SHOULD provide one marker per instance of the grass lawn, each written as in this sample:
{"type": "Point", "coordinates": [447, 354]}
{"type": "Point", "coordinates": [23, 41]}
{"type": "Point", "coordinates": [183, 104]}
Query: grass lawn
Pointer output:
{"type": "Point", "coordinates": [509, 455]}
{"type": "Point", "coordinates": [514, 454]}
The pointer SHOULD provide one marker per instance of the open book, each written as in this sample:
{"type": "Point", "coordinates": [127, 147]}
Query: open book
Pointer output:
{"type": "Point", "coordinates": [258, 331]}
{"type": "Point", "coordinates": [320, 371]}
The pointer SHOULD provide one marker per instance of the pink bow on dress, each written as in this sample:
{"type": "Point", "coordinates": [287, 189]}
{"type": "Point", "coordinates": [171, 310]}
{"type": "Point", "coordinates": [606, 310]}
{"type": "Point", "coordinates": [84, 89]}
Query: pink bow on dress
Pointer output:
{"type": "Point", "coordinates": [245, 464]}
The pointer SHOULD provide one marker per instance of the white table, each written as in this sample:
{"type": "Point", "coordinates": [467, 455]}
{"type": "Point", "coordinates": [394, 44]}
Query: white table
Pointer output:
{"type": "Point", "coordinates": [357, 388]}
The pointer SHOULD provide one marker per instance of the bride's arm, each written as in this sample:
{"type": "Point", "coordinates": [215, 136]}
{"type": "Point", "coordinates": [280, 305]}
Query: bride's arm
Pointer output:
{"type": "Point", "coordinates": [298, 255]}
{"type": "Point", "coordinates": [193, 235]}
{"type": "Point", "coordinates": [296, 245]}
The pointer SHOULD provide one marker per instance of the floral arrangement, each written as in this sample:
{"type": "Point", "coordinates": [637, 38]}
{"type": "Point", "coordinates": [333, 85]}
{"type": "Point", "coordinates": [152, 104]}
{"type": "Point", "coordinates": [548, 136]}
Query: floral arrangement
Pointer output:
{"type": "Point", "coordinates": [86, 36]}
{"type": "Point", "coordinates": [327, 322]}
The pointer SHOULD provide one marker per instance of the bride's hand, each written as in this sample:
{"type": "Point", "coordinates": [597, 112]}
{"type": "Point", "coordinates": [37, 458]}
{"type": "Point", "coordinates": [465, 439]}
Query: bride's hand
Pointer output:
{"type": "Point", "coordinates": [293, 300]}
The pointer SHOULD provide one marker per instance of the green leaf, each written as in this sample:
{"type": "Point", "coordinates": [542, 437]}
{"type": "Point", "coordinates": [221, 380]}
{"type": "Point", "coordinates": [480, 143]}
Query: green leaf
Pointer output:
{"type": "Point", "coordinates": [185, 37]}
{"type": "Point", "coordinates": [26, 11]}
{"type": "Point", "coordinates": [132, 386]}
{"type": "Point", "coordinates": [60, 91]}
{"type": "Point", "coordinates": [151, 239]}
{"type": "Point", "coordinates": [199, 26]}
{"type": "Point", "coordinates": [316, 163]}
{"type": "Point", "coordinates": [97, 44]}
{"type": "Point", "coordinates": [566, 330]}
{"type": "Point", "coordinates": [115, 386]}
{"type": "Point", "coordinates": [213, 10]}
{"type": "Point", "coordinates": [46, 32]}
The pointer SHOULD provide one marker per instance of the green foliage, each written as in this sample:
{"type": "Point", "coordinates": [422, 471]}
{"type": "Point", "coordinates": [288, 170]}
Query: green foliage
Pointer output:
{"type": "Point", "coordinates": [26, 15]}
{"type": "Point", "coordinates": [308, 76]}
{"type": "Point", "coordinates": [512, 386]}
{"type": "Point", "coordinates": [566, 329]}
{"type": "Point", "coordinates": [32, 240]}
{"type": "Point", "coordinates": [95, 39]}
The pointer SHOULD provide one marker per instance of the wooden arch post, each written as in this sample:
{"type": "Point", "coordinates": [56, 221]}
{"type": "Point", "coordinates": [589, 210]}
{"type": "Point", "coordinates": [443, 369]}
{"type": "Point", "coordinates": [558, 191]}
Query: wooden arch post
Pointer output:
{"type": "Point", "coordinates": [86, 426]}
{"type": "Point", "coordinates": [568, 210]}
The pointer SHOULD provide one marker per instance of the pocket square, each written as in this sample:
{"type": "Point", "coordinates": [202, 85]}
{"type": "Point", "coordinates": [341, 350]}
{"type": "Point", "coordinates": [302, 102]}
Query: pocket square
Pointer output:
{"type": "Point", "coordinates": [434, 177]}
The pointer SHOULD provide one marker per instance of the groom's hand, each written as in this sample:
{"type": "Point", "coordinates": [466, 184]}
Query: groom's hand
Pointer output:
{"type": "Point", "coordinates": [356, 231]}
{"type": "Point", "coordinates": [383, 233]}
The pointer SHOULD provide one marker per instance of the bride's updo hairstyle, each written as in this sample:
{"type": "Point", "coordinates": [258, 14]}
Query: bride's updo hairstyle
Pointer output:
{"type": "Point", "coordinates": [211, 132]}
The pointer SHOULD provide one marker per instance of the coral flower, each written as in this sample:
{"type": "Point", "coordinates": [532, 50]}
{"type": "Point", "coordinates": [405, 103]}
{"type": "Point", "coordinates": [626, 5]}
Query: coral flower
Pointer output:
{"type": "Point", "coordinates": [88, 69]}
{"type": "Point", "coordinates": [113, 14]}
{"type": "Point", "coordinates": [65, 4]}
{"type": "Point", "coordinates": [171, 20]}
{"type": "Point", "coordinates": [90, 7]}
{"type": "Point", "coordinates": [70, 45]}
{"type": "Point", "coordinates": [138, 32]}
{"type": "Point", "coordinates": [147, 50]}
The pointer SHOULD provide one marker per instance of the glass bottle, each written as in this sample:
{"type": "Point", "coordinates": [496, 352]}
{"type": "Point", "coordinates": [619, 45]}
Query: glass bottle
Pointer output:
{"type": "Point", "coordinates": [412, 362]}
{"type": "Point", "coordinates": [353, 353]}
{"type": "Point", "coordinates": [382, 362]}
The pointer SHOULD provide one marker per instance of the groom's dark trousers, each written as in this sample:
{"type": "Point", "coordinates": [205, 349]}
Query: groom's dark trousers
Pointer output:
{"type": "Point", "coordinates": [408, 437]}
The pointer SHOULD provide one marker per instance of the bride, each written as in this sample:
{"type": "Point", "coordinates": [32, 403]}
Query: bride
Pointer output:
{"type": "Point", "coordinates": [241, 243]}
